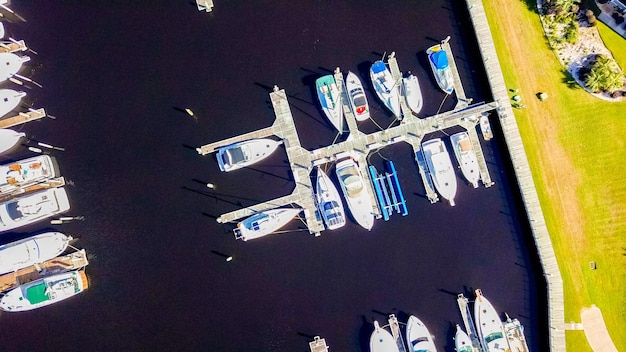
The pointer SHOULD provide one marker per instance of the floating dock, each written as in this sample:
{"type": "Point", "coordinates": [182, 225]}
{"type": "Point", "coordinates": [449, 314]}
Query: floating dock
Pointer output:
{"type": "Point", "coordinates": [69, 262]}
{"type": "Point", "coordinates": [357, 145]}
{"type": "Point", "coordinates": [318, 345]}
{"type": "Point", "coordinates": [22, 117]}
{"type": "Point", "coordinates": [470, 328]}
{"type": "Point", "coordinates": [394, 325]}
{"type": "Point", "coordinates": [388, 191]}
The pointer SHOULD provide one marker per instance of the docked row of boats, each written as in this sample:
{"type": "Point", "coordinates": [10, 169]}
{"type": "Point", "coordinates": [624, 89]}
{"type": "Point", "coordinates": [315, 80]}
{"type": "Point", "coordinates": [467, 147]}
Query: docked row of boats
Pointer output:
{"type": "Point", "coordinates": [34, 271]}
{"type": "Point", "coordinates": [388, 89]}
{"type": "Point", "coordinates": [490, 334]}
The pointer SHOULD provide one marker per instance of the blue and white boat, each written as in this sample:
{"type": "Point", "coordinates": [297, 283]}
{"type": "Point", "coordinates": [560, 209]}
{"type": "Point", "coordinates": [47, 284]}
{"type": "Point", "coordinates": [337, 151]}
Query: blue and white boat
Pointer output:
{"type": "Point", "coordinates": [438, 59]}
{"type": "Point", "coordinates": [241, 154]}
{"type": "Point", "coordinates": [440, 168]}
{"type": "Point", "coordinates": [264, 223]}
{"type": "Point", "coordinates": [330, 100]}
{"type": "Point", "coordinates": [386, 87]}
{"type": "Point", "coordinates": [329, 201]}
{"type": "Point", "coordinates": [381, 340]}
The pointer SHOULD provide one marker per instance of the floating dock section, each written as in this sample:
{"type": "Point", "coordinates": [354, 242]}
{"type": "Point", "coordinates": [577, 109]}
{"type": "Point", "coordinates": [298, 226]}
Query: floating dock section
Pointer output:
{"type": "Point", "coordinates": [318, 345]}
{"type": "Point", "coordinates": [22, 117]}
{"type": "Point", "coordinates": [394, 325]}
{"type": "Point", "coordinates": [388, 191]}
{"type": "Point", "coordinates": [470, 328]}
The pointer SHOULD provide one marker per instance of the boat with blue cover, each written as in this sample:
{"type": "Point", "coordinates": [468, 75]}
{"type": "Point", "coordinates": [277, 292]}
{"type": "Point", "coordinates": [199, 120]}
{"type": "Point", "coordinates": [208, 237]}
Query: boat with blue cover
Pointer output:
{"type": "Point", "coordinates": [330, 100]}
{"type": "Point", "coordinates": [385, 87]}
{"type": "Point", "coordinates": [329, 201]}
{"type": "Point", "coordinates": [438, 59]}
{"type": "Point", "coordinates": [264, 223]}
{"type": "Point", "coordinates": [245, 153]}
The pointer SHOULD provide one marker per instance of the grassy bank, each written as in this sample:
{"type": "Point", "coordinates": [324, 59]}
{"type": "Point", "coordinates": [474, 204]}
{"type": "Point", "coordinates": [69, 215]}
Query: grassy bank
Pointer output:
{"type": "Point", "coordinates": [575, 146]}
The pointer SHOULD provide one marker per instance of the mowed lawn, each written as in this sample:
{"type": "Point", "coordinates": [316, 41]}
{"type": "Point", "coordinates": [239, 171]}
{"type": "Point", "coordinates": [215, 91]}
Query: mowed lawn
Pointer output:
{"type": "Point", "coordinates": [576, 146]}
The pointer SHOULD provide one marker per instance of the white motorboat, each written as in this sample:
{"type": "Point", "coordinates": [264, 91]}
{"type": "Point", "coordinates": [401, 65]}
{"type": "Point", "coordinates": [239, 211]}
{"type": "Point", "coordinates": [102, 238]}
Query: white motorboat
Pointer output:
{"type": "Point", "coordinates": [329, 201]}
{"type": "Point", "coordinates": [45, 291]}
{"type": "Point", "coordinates": [25, 172]}
{"type": "Point", "coordinates": [356, 95]}
{"type": "Point", "coordinates": [242, 154]}
{"type": "Point", "coordinates": [32, 207]}
{"type": "Point", "coordinates": [381, 340]}
{"type": "Point", "coordinates": [9, 100]}
{"type": "Point", "coordinates": [330, 100]}
{"type": "Point", "coordinates": [418, 337]}
{"type": "Point", "coordinates": [514, 331]}
{"type": "Point", "coordinates": [8, 139]}
{"type": "Point", "coordinates": [264, 223]}
{"type": "Point", "coordinates": [488, 325]}
{"type": "Point", "coordinates": [440, 168]}
{"type": "Point", "coordinates": [32, 250]}
{"type": "Point", "coordinates": [386, 87]}
{"type": "Point", "coordinates": [356, 192]}
{"type": "Point", "coordinates": [465, 155]}
{"type": "Point", "coordinates": [462, 342]}
{"type": "Point", "coordinates": [10, 64]}
{"type": "Point", "coordinates": [438, 60]}
{"type": "Point", "coordinates": [485, 127]}
{"type": "Point", "coordinates": [412, 93]}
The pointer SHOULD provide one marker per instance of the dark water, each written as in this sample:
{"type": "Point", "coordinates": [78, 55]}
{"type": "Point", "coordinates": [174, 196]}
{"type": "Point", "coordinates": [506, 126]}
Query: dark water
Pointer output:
{"type": "Point", "coordinates": [116, 73]}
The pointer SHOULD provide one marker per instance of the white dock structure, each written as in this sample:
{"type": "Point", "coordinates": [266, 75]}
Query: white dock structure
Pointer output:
{"type": "Point", "coordinates": [318, 345]}
{"type": "Point", "coordinates": [357, 145]}
{"type": "Point", "coordinates": [394, 325]}
{"type": "Point", "coordinates": [22, 117]}
{"type": "Point", "coordinates": [468, 322]}
{"type": "Point", "coordinates": [554, 281]}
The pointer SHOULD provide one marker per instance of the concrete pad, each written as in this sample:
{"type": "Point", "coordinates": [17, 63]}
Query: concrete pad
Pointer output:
{"type": "Point", "coordinates": [595, 330]}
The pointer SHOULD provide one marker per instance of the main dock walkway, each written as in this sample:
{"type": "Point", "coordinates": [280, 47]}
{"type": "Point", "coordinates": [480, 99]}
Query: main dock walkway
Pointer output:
{"type": "Point", "coordinates": [357, 145]}
{"type": "Point", "coordinates": [556, 311]}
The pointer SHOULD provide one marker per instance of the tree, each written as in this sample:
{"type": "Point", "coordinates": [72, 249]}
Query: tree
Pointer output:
{"type": "Point", "coordinates": [604, 75]}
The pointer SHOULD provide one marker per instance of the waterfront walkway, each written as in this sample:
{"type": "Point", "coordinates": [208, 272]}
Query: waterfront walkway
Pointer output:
{"type": "Point", "coordinates": [556, 309]}
{"type": "Point", "coordinates": [595, 330]}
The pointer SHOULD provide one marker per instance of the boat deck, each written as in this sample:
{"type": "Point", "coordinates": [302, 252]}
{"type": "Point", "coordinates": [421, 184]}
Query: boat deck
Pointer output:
{"type": "Point", "coordinates": [357, 145]}
{"type": "Point", "coordinates": [22, 117]}
{"type": "Point", "coordinates": [49, 183]}
{"type": "Point", "coordinates": [72, 261]}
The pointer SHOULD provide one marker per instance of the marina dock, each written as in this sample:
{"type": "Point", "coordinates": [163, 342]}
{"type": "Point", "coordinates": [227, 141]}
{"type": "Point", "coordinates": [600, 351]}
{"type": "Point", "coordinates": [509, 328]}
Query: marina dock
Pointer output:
{"type": "Point", "coordinates": [69, 262]}
{"type": "Point", "coordinates": [22, 117]}
{"type": "Point", "coordinates": [394, 325]}
{"type": "Point", "coordinates": [49, 183]}
{"type": "Point", "coordinates": [318, 345]}
{"type": "Point", "coordinates": [357, 145]}
{"type": "Point", "coordinates": [14, 46]}
{"type": "Point", "coordinates": [468, 322]}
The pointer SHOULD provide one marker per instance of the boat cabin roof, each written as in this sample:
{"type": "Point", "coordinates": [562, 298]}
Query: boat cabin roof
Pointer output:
{"type": "Point", "coordinates": [439, 59]}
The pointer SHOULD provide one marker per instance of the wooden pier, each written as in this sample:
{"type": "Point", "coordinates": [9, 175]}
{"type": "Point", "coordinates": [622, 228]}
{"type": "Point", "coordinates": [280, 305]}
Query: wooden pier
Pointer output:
{"type": "Point", "coordinates": [14, 46]}
{"type": "Point", "coordinates": [69, 262]}
{"type": "Point", "coordinates": [556, 308]}
{"type": "Point", "coordinates": [22, 117]}
{"type": "Point", "coordinates": [468, 322]}
{"type": "Point", "coordinates": [318, 345]}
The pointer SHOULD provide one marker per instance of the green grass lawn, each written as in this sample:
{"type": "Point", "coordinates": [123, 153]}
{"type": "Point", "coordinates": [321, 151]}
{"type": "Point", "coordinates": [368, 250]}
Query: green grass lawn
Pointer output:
{"type": "Point", "coordinates": [575, 145]}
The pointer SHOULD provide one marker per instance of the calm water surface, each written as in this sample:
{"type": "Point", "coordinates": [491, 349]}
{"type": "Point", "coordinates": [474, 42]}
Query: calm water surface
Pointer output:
{"type": "Point", "coordinates": [116, 73]}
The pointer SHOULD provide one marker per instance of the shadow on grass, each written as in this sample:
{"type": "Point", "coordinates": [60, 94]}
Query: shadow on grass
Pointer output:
{"type": "Point", "coordinates": [569, 80]}
{"type": "Point", "coordinates": [531, 5]}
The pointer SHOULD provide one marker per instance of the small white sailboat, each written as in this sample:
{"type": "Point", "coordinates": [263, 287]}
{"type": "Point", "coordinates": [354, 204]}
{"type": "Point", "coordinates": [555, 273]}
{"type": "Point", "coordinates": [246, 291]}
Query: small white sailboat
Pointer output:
{"type": "Point", "coordinates": [386, 87]}
{"type": "Point", "coordinates": [329, 201]}
{"type": "Point", "coordinates": [32, 207]}
{"type": "Point", "coordinates": [241, 154]}
{"type": "Point", "coordinates": [330, 100]}
{"type": "Point", "coordinates": [485, 127]}
{"type": "Point", "coordinates": [462, 342]}
{"type": "Point", "coordinates": [356, 95]}
{"type": "Point", "coordinates": [381, 340]}
{"type": "Point", "coordinates": [412, 93]}
{"type": "Point", "coordinates": [45, 291]}
{"type": "Point", "coordinates": [418, 337]}
{"type": "Point", "coordinates": [9, 138]}
{"type": "Point", "coordinates": [32, 250]}
{"type": "Point", "coordinates": [264, 223]}
{"type": "Point", "coordinates": [465, 155]}
{"type": "Point", "coordinates": [488, 325]}
{"type": "Point", "coordinates": [355, 191]}
{"type": "Point", "coordinates": [440, 168]}
{"type": "Point", "coordinates": [26, 172]}
{"type": "Point", "coordinates": [9, 100]}
{"type": "Point", "coordinates": [438, 60]}
{"type": "Point", "coordinates": [10, 64]}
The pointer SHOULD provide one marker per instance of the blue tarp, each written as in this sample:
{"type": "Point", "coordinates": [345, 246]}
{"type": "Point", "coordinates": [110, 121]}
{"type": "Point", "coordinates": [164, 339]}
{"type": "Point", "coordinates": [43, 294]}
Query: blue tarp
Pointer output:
{"type": "Point", "coordinates": [440, 59]}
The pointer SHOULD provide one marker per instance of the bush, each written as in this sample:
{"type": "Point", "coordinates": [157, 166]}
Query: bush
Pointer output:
{"type": "Point", "coordinates": [603, 1]}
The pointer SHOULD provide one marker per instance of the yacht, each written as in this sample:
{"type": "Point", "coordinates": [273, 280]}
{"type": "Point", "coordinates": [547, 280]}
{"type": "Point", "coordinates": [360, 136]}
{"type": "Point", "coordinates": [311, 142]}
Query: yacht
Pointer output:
{"type": "Point", "coordinates": [329, 202]}
{"type": "Point", "coordinates": [381, 340]}
{"type": "Point", "coordinates": [418, 337]}
{"type": "Point", "coordinates": [44, 291]}
{"type": "Point", "coordinates": [438, 59]}
{"type": "Point", "coordinates": [9, 100]}
{"type": "Point", "coordinates": [440, 168]}
{"type": "Point", "coordinates": [412, 93]}
{"type": "Point", "coordinates": [32, 207]}
{"type": "Point", "coordinates": [465, 155]}
{"type": "Point", "coordinates": [462, 342]}
{"type": "Point", "coordinates": [10, 64]}
{"type": "Point", "coordinates": [356, 192]}
{"type": "Point", "coordinates": [385, 87]}
{"type": "Point", "coordinates": [32, 250]}
{"type": "Point", "coordinates": [242, 154]}
{"type": "Point", "coordinates": [330, 100]}
{"type": "Point", "coordinates": [264, 223]}
{"type": "Point", "coordinates": [26, 172]}
{"type": "Point", "coordinates": [8, 139]}
{"type": "Point", "coordinates": [488, 325]}
{"type": "Point", "coordinates": [356, 95]}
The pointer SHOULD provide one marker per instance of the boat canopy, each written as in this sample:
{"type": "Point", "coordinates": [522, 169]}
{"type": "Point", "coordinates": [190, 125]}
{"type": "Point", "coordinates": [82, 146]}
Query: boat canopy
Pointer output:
{"type": "Point", "coordinates": [439, 59]}
{"type": "Point", "coordinates": [37, 294]}
{"type": "Point", "coordinates": [236, 156]}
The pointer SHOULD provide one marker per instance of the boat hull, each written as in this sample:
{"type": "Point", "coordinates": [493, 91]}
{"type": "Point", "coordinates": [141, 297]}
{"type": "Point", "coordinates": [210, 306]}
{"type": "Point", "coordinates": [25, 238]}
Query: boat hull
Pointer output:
{"type": "Point", "coordinates": [329, 201]}
{"type": "Point", "coordinates": [440, 168]}
{"type": "Point", "coordinates": [440, 67]}
{"type": "Point", "coordinates": [355, 192]}
{"type": "Point", "coordinates": [418, 337]}
{"type": "Point", "coordinates": [330, 100]}
{"type": "Point", "coordinates": [32, 250]}
{"type": "Point", "coordinates": [412, 93]}
{"type": "Point", "coordinates": [264, 223]}
{"type": "Point", "coordinates": [358, 99]}
{"type": "Point", "coordinates": [9, 100]}
{"type": "Point", "coordinates": [466, 157]}
{"type": "Point", "coordinates": [385, 87]}
{"type": "Point", "coordinates": [381, 340]}
{"type": "Point", "coordinates": [30, 208]}
{"type": "Point", "coordinates": [488, 325]}
{"type": "Point", "coordinates": [10, 64]}
{"type": "Point", "coordinates": [8, 139]}
{"type": "Point", "coordinates": [242, 154]}
{"type": "Point", "coordinates": [462, 342]}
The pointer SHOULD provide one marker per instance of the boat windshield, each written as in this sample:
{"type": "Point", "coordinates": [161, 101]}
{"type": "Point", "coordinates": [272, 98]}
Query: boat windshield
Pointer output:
{"type": "Point", "coordinates": [353, 185]}
{"type": "Point", "coordinates": [235, 156]}
{"type": "Point", "coordinates": [14, 211]}
{"type": "Point", "coordinates": [493, 336]}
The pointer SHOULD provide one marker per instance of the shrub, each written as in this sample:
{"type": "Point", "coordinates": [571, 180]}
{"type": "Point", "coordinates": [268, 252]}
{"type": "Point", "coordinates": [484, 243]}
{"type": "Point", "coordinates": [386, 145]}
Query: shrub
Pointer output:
{"type": "Point", "coordinates": [603, 1]}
